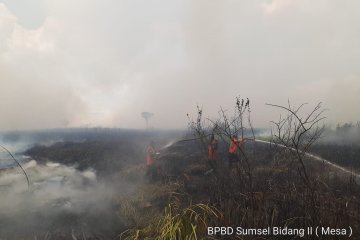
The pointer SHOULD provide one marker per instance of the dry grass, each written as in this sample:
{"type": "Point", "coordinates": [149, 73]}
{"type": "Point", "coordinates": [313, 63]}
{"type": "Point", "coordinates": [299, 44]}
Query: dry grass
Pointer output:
{"type": "Point", "coordinates": [177, 223]}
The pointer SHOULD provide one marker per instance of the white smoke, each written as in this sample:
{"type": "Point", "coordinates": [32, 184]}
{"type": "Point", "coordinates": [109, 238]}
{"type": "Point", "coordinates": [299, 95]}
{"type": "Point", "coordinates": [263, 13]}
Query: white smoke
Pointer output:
{"type": "Point", "coordinates": [56, 192]}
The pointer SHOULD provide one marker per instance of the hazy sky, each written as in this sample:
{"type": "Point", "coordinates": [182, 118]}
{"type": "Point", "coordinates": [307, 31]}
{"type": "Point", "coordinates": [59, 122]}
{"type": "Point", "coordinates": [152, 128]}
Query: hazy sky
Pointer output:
{"type": "Point", "coordinates": [101, 63]}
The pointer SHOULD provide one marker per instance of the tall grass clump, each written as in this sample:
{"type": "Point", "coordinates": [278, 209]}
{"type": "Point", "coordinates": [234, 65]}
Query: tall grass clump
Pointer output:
{"type": "Point", "coordinates": [188, 223]}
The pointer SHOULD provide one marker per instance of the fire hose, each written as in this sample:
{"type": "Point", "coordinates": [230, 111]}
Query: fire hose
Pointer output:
{"type": "Point", "coordinates": [315, 157]}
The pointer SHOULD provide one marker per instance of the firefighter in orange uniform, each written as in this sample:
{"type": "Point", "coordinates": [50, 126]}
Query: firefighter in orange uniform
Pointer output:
{"type": "Point", "coordinates": [150, 160]}
{"type": "Point", "coordinates": [235, 144]}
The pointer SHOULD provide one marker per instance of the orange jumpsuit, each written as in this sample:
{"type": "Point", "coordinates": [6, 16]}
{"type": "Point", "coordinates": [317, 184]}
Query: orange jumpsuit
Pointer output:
{"type": "Point", "coordinates": [233, 150]}
{"type": "Point", "coordinates": [150, 152]}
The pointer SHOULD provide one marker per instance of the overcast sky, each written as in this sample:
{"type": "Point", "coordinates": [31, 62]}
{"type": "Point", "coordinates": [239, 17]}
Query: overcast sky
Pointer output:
{"type": "Point", "coordinates": [66, 63]}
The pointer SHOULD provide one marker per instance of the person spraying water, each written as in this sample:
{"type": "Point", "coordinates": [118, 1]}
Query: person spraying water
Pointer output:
{"type": "Point", "coordinates": [150, 160]}
{"type": "Point", "coordinates": [235, 144]}
{"type": "Point", "coordinates": [312, 156]}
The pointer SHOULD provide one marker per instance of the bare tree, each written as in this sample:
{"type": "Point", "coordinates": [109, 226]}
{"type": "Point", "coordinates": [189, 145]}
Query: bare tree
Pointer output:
{"type": "Point", "coordinates": [2, 148]}
{"type": "Point", "coordinates": [298, 133]}
{"type": "Point", "coordinates": [225, 126]}
{"type": "Point", "coordinates": [238, 124]}
{"type": "Point", "coordinates": [200, 128]}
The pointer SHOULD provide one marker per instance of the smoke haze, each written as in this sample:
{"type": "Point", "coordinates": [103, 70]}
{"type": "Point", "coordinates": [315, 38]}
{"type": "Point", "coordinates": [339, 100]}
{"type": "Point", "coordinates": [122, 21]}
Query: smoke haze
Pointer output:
{"type": "Point", "coordinates": [102, 63]}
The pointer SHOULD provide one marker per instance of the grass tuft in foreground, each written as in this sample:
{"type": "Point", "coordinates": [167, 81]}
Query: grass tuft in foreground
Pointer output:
{"type": "Point", "coordinates": [181, 224]}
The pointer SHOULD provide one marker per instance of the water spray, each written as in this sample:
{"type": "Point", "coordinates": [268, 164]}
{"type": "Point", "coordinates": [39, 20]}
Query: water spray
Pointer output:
{"type": "Point", "coordinates": [313, 156]}
{"type": "Point", "coordinates": [318, 158]}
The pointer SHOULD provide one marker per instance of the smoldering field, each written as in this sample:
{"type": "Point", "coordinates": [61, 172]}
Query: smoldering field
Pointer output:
{"type": "Point", "coordinates": [85, 183]}
{"type": "Point", "coordinates": [75, 182]}
{"type": "Point", "coordinates": [60, 200]}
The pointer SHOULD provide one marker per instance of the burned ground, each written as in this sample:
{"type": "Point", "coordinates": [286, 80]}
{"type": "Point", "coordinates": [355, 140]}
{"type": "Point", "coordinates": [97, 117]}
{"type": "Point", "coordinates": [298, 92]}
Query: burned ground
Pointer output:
{"type": "Point", "coordinates": [277, 196]}
{"type": "Point", "coordinates": [105, 157]}
{"type": "Point", "coordinates": [344, 155]}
